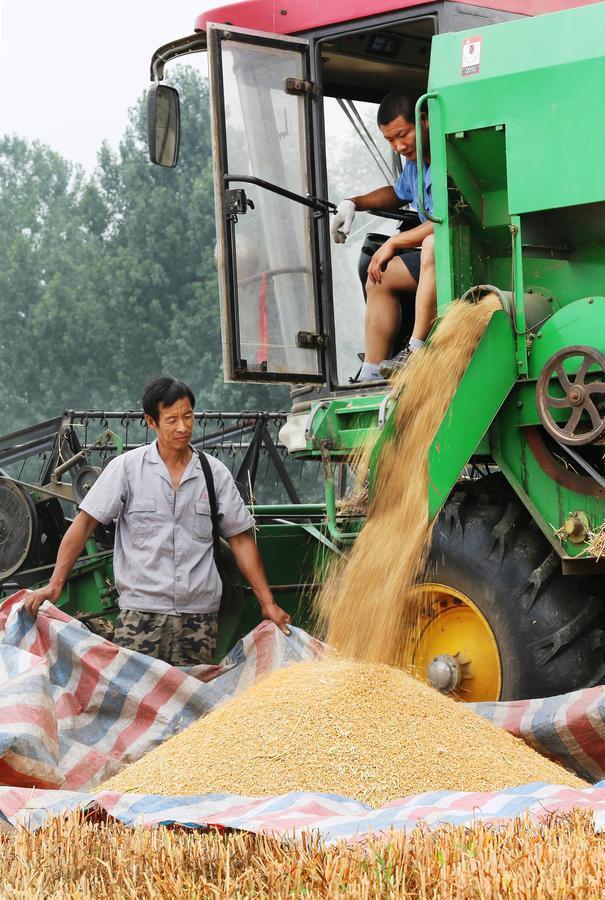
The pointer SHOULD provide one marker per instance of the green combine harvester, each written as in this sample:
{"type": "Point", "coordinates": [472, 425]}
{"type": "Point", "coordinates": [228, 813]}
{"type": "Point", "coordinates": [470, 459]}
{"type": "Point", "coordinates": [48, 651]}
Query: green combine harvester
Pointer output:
{"type": "Point", "coordinates": [516, 471]}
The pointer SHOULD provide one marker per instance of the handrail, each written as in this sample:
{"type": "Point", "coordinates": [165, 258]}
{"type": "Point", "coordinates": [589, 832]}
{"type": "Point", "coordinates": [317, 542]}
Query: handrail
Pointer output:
{"type": "Point", "coordinates": [430, 95]}
{"type": "Point", "coordinates": [315, 203]}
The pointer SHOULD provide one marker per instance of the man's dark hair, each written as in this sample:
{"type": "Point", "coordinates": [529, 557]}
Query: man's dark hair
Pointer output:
{"type": "Point", "coordinates": [166, 391]}
{"type": "Point", "coordinates": [397, 103]}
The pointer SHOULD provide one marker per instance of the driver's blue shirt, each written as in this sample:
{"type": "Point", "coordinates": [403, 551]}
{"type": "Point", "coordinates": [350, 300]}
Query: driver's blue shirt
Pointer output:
{"type": "Point", "coordinates": [406, 187]}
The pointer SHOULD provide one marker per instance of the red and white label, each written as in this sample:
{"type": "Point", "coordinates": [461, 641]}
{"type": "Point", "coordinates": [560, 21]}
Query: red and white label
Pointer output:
{"type": "Point", "coordinates": [471, 55]}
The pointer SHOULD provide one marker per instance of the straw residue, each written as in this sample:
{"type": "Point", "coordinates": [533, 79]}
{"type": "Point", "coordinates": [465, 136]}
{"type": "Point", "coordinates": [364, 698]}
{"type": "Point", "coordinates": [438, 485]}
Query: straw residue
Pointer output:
{"type": "Point", "coordinates": [366, 607]}
{"type": "Point", "coordinates": [82, 858]}
{"type": "Point", "coordinates": [366, 731]}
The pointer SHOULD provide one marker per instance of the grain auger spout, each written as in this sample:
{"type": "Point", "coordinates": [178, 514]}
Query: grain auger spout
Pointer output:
{"type": "Point", "coordinates": [475, 342]}
{"type": "Point", "coordinates": [470, 359]}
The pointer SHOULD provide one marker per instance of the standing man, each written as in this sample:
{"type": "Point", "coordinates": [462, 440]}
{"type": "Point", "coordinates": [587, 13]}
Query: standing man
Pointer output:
{"type": "Point", "coordinates": [406, 261]}
{"type": "Point", "coordinates": [169, 586]}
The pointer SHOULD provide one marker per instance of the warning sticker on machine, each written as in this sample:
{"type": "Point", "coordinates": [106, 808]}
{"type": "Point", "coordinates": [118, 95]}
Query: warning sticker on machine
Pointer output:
{"type": "Point", "coordinates": [471, 55]}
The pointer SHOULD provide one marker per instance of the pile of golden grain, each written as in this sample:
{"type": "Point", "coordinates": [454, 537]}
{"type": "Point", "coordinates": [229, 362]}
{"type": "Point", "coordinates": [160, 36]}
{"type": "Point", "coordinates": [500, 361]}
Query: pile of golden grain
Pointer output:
{"type": "Point", "coordinates": [362, 730]}
{"type": "Point", "coordinates": [80, 859]}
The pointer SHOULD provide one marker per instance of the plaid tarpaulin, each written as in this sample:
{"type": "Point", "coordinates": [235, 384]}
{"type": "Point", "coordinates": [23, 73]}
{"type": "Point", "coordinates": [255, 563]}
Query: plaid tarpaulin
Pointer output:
{"type": "Point", "coordinates": [75, 709]}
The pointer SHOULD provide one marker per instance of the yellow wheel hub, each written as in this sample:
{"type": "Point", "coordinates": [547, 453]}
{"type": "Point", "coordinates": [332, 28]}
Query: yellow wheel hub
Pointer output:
{"type": "Point", "coordinates": [454, 646]}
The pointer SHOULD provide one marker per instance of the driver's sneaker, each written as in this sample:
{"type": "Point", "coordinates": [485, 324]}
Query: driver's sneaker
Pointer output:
{"type": "Point", "coordinates": [390, 367]}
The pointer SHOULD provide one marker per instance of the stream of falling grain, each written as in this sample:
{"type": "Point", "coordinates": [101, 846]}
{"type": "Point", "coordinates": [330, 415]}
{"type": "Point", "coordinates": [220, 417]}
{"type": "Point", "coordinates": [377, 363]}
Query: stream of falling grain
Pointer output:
{"type": "Point", "coordinates": [366, 607]}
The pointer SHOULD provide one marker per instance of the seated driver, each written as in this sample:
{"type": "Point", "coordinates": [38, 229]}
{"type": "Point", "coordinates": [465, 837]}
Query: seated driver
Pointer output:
{"type": "Point", "coordinates": [406, 261]}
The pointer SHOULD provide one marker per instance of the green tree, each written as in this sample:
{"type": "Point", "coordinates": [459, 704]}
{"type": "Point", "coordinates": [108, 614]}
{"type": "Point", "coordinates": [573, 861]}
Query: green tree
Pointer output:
{"type": "Point", "coordinates": [51, 250]}
{"type": "Point", "coordinates": [108, 280]}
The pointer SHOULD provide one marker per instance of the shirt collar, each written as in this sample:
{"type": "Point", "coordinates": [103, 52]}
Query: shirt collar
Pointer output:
{"type": "Point", "coordinates": [152, 455]}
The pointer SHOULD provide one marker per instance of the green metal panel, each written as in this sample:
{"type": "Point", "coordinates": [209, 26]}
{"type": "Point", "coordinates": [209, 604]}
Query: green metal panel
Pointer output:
{"type": "Point", "coordinates": [89, 589]}
{"type": "Point", "coordinates": [344, 423]}
{"type": "Point", "coordinates": [581, 322]}
{"type": "Point", "coordinates": [548, 502]}
{"type": "Point", "coordinates": [482, 390]}
{"type": "Point", "coordinates": [521, 137]}
{"type": "Point", "coordinates": [544, 79]}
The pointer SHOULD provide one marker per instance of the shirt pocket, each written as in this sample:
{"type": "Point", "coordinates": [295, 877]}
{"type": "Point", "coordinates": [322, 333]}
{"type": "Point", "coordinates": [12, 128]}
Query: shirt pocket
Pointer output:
{"type": "Point", "coordinates": [202, 521]}
{"type": "Point", "coordinates": [142, 520]}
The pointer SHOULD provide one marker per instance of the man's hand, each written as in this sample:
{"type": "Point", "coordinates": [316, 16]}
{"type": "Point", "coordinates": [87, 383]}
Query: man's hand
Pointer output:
{"type": "Point", "coordinates": [342, 221]}
{"type": "Point", "coordinates": [35, 600]}
{"type": "Point", "coordinates": [379, 262]}
{"type": "Point", "coordinates": [250, 564]}
{"type": "Point", "coordinates": [276, 614]}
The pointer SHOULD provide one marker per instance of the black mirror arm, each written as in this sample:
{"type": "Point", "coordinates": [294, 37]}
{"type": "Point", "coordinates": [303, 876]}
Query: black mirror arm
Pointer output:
{"type": "Point", "coordinates": [193, 43]}
{"type": "Point", "coordinates": [320, 207]}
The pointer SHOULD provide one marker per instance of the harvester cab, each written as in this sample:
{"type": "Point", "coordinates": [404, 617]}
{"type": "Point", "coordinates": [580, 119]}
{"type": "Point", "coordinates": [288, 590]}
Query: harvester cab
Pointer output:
{"type": "Point", "coordinates": [294, 129]}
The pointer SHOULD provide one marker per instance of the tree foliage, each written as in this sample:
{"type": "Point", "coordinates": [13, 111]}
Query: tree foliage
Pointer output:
{"type": "Point", "coordinates": [107, 280]}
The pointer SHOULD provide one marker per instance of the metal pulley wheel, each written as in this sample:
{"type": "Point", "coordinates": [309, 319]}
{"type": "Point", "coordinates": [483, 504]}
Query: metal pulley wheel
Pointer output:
{"type": "Point", "coordinates": [18, 527]}
{"type": "Point", "coordinates": [584, 399]}
{"type": "Point", "coordinates": [82, 481]}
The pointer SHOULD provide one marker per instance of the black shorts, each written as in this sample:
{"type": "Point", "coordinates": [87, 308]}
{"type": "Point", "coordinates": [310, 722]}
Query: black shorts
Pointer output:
{"type": "Point", "coordinates": [411, 260]}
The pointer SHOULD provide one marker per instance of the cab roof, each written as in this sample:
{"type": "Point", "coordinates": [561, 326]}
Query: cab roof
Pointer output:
{"type": "Point", "coordinates": [296, 16]}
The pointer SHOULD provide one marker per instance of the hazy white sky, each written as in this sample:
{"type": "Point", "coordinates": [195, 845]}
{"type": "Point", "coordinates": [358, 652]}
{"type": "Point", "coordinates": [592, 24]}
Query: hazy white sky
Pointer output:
{"type": "Point", "coordinates": [70, 69]}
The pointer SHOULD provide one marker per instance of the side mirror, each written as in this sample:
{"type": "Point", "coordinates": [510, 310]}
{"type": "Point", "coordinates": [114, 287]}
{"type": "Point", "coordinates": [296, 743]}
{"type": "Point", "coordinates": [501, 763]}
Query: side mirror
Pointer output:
{"type": "Point", "coordinates": [163, 125]}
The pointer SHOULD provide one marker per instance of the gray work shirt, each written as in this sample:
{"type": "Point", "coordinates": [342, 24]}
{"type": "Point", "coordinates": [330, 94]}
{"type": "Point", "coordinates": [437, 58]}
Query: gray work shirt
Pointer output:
{"type": "Point", "coordinates": [163, 560]}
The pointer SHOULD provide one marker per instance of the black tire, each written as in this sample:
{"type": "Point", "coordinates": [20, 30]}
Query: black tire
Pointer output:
{"type": "Point", "coordinates": [549, 628]}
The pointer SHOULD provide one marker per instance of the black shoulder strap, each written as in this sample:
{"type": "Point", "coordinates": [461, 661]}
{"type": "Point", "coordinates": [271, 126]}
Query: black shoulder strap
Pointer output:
{"type": "Point", "coordinates": [216, 535]}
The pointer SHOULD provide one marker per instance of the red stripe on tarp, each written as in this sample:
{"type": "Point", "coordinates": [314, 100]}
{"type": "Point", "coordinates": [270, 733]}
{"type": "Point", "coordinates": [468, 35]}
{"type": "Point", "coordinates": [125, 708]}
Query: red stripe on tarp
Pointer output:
{"type": "Point", "coordinates": [11, 776]}
{"type": "Point", "coordinates": [148, 709]}
{"type": "Point", "coordinates": [29, 715]}
{"type": "Point", "coordinates": [42, 643]}
{"type": "Point", "coordinates": [7, 605]}
{"type": "Point", "coordinates": [582, 729]}
{"type": "Point", "coordinates": [67, 706]}
{"type": "Point", "coordinates": [210, 673]}
{"type": "Point", "coordinates": [515, 712]}
{"type": "Point", "coordinates": [13, 801]}
{"type": "Point", "coordinates": [93, 662]}
{"type": "Point", "coordinates": [108, 799]}
{"type": "Point", "coordinates": [263, 653]}
{"type": "Point", "coordinates": [85, 770]}
{"type": "Point", "coordinates": [53, 612]}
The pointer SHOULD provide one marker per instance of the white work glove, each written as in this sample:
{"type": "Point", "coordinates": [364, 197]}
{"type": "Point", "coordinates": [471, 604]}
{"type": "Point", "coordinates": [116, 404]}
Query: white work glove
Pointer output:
{"type": "Point", "coordinates": [342, 221]}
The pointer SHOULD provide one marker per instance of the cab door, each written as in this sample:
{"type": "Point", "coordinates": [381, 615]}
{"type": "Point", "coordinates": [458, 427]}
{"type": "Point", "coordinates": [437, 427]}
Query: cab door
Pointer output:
{"type": "Point", "coordinates": [266, 216]}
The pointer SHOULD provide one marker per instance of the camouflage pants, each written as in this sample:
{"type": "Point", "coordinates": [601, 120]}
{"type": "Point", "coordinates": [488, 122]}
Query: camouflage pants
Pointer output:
{"type": "Point", "coordinates": [178, 640]}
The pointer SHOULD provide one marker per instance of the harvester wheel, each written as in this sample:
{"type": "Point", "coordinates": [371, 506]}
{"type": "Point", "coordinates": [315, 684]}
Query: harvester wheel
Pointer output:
{"type": "Point", "coordinates": [500, 618]}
